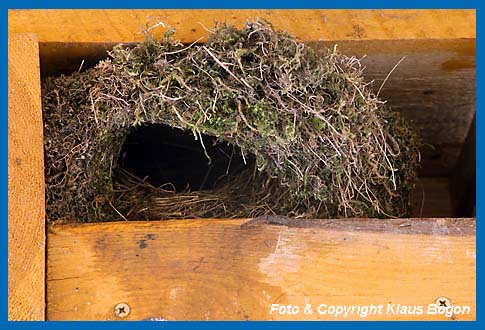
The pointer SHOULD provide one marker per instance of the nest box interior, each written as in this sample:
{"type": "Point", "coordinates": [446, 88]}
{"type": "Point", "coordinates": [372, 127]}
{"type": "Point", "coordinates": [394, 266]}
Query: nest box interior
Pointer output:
{"type": "Point", "coordinates": [446, 183]}
{"type": "Point", "coordinates": [179, 270]}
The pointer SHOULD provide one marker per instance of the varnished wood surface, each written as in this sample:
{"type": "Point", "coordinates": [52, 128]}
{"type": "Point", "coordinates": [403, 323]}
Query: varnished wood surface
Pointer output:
{"type": "Point", "coordinates": [26, 210]}
{"type": "Point", "coordinates": [213, 269]}
{"type": "Point", "coordinates": [310, 25]}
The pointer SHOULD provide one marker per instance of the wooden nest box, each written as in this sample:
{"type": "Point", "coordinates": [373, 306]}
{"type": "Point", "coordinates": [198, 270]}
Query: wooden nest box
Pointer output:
{"type": "Point", "coordinates": [212, 268]}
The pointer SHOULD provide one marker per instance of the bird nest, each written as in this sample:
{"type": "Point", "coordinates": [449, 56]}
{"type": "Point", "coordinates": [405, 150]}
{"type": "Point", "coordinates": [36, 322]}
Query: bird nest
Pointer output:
{"type": "Point", "coordinates": [316, 142]}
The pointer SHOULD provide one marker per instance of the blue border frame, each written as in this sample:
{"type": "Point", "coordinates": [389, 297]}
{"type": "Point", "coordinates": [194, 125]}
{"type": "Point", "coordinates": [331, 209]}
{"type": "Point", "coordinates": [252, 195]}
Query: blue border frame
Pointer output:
{"type": "Point", "coordinates": [240, 4]}
{"type": "Point", "coordinates": [364, 4]}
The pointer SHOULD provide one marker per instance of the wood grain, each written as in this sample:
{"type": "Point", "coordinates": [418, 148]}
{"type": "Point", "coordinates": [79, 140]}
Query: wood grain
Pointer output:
{"type": "Point", "coordinates": [125, 25]}
{"type": "Point", "coordinates": [431, 198]}
{"type": "Point", "coordinates": [26, 213]}
{"type": "Point", "coordinates": [213, 269]}
{"type": "Point", "coordinates": [434, 87]}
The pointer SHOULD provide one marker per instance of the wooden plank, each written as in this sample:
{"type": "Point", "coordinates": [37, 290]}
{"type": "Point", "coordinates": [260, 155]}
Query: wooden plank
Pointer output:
{"type": "Point", "coordinates": [434, 87]}
{"type": "Point", "coordinates": [214, 269]}
{"type": "Point", "coordinates": [431, 198]}
{"type": "Point", "coordinates": [125, 25]}
{"type": "Point", "coordinates": [26, 213]}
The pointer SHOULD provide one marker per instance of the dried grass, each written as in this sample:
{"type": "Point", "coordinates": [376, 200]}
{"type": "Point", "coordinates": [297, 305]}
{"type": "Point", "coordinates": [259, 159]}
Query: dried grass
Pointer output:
{"type": "Point", "coordinates": [324, 144]}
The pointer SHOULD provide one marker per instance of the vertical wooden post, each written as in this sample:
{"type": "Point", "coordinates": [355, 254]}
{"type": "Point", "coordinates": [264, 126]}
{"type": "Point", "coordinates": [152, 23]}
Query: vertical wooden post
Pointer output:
{"type": "Point", "coordinates": [26, 209]}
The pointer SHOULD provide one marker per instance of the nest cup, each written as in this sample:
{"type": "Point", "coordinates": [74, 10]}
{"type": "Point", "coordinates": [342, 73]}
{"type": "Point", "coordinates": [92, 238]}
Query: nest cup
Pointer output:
{"type": "Point", "coordinates": [310, 137]}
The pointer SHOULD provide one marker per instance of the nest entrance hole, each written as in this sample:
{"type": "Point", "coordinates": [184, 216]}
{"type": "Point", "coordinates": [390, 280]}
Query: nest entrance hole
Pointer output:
{"type": "Point", "coordinates": [173, 159]}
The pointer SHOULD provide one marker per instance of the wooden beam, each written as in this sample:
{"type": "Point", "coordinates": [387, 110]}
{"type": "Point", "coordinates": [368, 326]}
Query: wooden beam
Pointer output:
{"type": "Point", "coordinates": [75, 26]}
{"type": "Point", "coordinates": [214, 269]}
{"type": "Point", "coordinates": [26, 212]}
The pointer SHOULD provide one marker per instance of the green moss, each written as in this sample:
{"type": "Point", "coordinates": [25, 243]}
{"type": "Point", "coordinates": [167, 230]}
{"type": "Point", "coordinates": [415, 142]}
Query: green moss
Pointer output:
{"type": "Point", "coordinates": [317, 123]}
{"type": "Point", "coordinates": [324, 145]}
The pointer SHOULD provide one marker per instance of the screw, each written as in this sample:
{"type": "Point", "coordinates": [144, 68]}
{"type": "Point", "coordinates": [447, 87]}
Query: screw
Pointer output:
{"type": "Point", "coordinates": [122, 310]}
{"type": "Point", "coordinates": [443, 302]}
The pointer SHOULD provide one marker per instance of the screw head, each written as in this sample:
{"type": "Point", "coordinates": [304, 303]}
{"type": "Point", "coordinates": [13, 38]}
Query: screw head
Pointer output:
{"type": "Point", "coordinates": [443, 302]}
{"type": "Point", "coordinates": [122, 310]}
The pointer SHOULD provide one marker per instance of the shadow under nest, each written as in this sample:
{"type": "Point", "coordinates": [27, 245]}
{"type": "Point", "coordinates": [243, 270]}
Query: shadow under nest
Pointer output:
{"type": "Point", "coordinates": [293, 132]}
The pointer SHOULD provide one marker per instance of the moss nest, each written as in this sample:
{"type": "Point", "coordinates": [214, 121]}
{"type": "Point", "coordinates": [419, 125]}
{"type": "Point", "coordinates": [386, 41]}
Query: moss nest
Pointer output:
{"type": "Point", "coordinates": [316, 142]}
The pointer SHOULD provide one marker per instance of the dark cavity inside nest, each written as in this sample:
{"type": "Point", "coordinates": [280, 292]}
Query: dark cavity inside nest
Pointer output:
{"type": "Point", "coordinates": [253, 122]}
{"type": "Point", "coordinates": [169, 157]}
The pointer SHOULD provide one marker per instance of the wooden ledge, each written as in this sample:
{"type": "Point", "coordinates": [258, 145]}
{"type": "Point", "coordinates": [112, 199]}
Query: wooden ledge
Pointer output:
{"type": "Point", "coordinates": [214, 269]}
{"type": "Point", "coordinates": [317, 25]}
